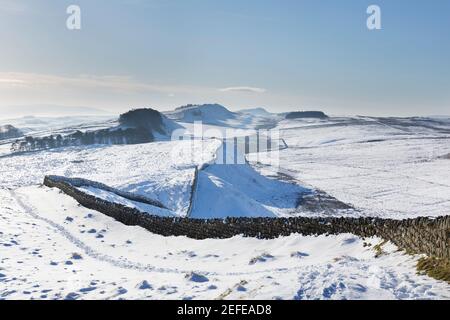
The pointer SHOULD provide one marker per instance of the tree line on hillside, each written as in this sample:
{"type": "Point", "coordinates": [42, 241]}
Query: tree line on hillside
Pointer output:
{"type": "Point", "coordinates": [78, 138]}
{"type": "Point", "coordinates": [136, 126]}
{"type": "Point", "coordinates": [306, 114]}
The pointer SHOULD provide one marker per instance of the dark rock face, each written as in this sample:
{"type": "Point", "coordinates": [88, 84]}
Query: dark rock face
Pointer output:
{"type": "Point", "coordinates": [143, 119]}
{"type": "Point", "coordinates": [419, 236]}
{"type": "Point", "coordinates": [9, 132]}
{"type": "Point", "coordinates": [306, 114]}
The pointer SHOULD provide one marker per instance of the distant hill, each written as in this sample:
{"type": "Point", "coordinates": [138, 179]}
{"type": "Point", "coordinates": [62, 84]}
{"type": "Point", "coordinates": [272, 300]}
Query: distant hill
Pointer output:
{"type": "Point", "coordinates": [48, 111]}
{"type": "Point", "coordinates": [147, 119]}
{"type": "Point", "coordinates": [306, 114]}
{"type": "Point", "coordinates": [261, 112]}
{"type": "Point", "coordinates": [214, 114]}
{"type": "Point", "coordinates": [135, 126]}
{"type": "Point", "coordinates": [9, 132]}
{"type": "Point", "coordinates": [150, 120]}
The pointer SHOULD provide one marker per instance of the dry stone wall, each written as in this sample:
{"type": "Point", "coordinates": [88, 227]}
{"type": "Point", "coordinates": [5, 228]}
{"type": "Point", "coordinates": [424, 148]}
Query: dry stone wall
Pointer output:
{"type": "Point", "coordinates": [421, 235]}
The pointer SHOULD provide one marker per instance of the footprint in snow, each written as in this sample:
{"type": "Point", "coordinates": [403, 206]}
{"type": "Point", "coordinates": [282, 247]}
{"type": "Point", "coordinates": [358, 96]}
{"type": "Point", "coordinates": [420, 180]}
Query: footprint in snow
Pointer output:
{"type": "Point", "coordinates": [144, 285]}
{"type": "Point", "coordinates": [121, 291]}
{"type": "Point", "coordinates": [349, 241]}
{"type": "Point", "coordinates": [261, 258]}
{"type": "Point", "coordinates": [299, 254]}
{"type": "Point", "coordinates": [196, 277]}
{"type": "Point", "coordinates": [359, 287]}
{"type": "Point", "coordinates": [168, 290]}
{"type": "Point", "coordinates": [72, 296]}
{"type": "Point", "coordinates": [88, 289]}
{"type": "Point", "coordinates": [76, 256]}
{"type": "Point", "coordinates": [241, 288]}
{"type": "Point", "coordinates": [191, 254]}
{"type": "Point", "coordinates": [328, 292]}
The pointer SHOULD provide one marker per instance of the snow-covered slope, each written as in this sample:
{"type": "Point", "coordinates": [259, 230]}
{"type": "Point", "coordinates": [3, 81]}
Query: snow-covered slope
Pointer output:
{"type": "Point", "coordinates": [9, 132]}
{"type": "Point", "coordinates": [240, 191]}
{"type": "Point", "coordinates": [54, 249]}
{"type": "Point", "coordinates": [133, 127]}
{"type": "Point", "coordinates": [259, 112]}
{"type": "Point", "coordinates": [382, 167]}
{"type": "Point", "coordinates": [219, 116]}
{"type": "Point", "coordinates": [215, 114]}
{"type": "Point", "coordinates": [162, 170]}
{"type": "Point", "coordinates": [38, 126]}
{"type": "Point", "coordinates": [114, 198]}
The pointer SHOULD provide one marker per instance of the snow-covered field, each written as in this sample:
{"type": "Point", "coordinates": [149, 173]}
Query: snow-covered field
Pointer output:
{"type": "Point", "coordinates": [52, 248]}
{"type": "Point", "coordinates": [161, 170]}
{"type": "Point", "coordinates": [382, 170]}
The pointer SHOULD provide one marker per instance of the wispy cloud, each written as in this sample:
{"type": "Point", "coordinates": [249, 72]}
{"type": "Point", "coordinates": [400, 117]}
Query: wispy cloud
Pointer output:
{"type": "Point", "coordinates": [116, 92]}
{"type": "Point", "coordinates": [12, 6]}
{"type": "Point", "coordinates": [113, 91]}
{"type": "Point", "coordinates": [124, 84]}
{"type": "Point", "coordinates": [10, 81]}
{"type": "Point", "coordinates": [243, 89]}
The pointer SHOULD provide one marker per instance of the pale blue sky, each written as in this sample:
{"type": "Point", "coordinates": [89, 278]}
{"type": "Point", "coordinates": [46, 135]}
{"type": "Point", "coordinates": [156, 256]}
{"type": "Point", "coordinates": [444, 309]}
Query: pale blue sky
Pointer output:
{"type": "Point", "coordinates": [280, 54]}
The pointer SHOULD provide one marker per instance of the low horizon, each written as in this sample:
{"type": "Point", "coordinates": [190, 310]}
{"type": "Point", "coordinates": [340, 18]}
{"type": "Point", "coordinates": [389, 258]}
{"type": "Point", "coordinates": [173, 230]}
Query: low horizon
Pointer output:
{"type": "Point", "coordinates": [92, 111]}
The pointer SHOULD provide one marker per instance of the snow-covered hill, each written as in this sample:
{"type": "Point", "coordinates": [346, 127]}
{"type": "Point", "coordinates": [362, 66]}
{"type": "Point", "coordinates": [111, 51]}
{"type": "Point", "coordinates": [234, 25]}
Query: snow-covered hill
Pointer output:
{"type": "Point", "coordinates": [44, 125]}
{"type": "Point", "coordinates": [240, 191]}
{"type": "Point", "coordinates": [386, 167]}
{"type": "Point", "coordinates": [50, 111]}
{"type": "Point", "coordinates": [163, 171]}
{"type": "Point", "coordinates": [214, 114]}
{"type": "Point", "coordinates": [9, 132]}
{"type": "Point", "coordinates": [383, 167]}
{"type": "Point", "coordinates": [133, 127]}
{"type": "Point", "coordinates": [218, 116]}
{"type": "Point", "coordinates": [259, 112]}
